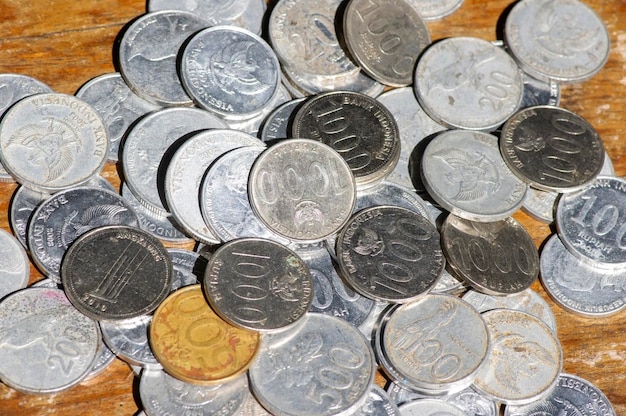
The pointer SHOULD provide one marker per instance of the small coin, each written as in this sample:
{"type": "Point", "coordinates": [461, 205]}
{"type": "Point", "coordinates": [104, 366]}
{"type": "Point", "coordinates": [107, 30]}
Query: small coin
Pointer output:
{"type": "Point", "coordinates": [258, 284]}
{"type": "Point", "coordinates": [128, 339]}
{"type": "Point", "coordinates": [195, 345]}
{"type": "Point", "coordinates": [116, 272]}
{"type": "Point", "coordinates": [378, 404]}
{"type": "Point", "coordinates": [188, 267]}
{"type": "Point", "coordinates": [390, 253]}
{"type": "Point", "coordinates": [276, 125]}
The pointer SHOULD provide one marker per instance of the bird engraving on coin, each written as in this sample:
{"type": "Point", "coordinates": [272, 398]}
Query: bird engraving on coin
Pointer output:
{"type": "Point", "coordinates": [476, 175]}
{"type": "Point", "coordinates": [562, 34]}
{"type": "Point", "coordinates": [75, 225]}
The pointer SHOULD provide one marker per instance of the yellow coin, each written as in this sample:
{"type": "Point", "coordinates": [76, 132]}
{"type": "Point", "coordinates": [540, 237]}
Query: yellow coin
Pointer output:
{"type": "Point", "coordinates": [195, 345]}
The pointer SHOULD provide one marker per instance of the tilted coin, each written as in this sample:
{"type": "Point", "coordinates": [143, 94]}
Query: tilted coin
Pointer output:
{"type": "Point", "coordinates": [14, 264]}
{"type": "Point", "coordinates": [525, 359]}
{"type": "Point", "coordinates": [390, 253]}
{"type": "Point", "coordinates": [378, 404]}
{"type": "Point", "coordinates": [128, 339]}
{"type": "Point", "coordinates": [213, 72]}
{"type": "Point", "coordinates": [551, 148]}
{"type": "Point", "coordinates": [52, 141]}
{"type": "Point", "coordinates": [48, 345]}
{"type": "Point", "coordinates": [304, 84]}
{"type": "Point", "coordinates": [148, 51]}
{"type": "Point", "coordinates": [385, 38]}
{"type": "Point", "coordinates": [473, 403]}
{"type": "Point", "coordinates": [276, 124]}
{"type": "Point", "coordinates": [195, 345]}
{"type": "Point", "coordinates": [321, 367]}
{"type": "Point", "coordinates": [468, 83]}
{"type": "Point", "coordinates": [188, 267]}
{"type": "Point", "coordinates": [463, 172]}
{"type": "Point", "coordinates": [357, 126]}
{"type": "Point", "coordinates": [537, 92]}
{"type": "Point", "coordinates": [495, 258]}
{"type": "Point", "coordinates": [561, 40]}
{"type": "Point", "coordinates": [430, 407]}
{"type": "Point", "coordinates": [258, 284]}
{"type": "Point", "coordinates": [435, 9]}
{"type": "Point", "coordinates": [302, 189]}
{"type": "Point", "coordinates": [116, 272]}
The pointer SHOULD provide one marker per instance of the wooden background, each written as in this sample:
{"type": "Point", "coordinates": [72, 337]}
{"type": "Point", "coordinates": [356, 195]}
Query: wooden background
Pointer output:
{"type": "Point", "coordinates": [64, 43]}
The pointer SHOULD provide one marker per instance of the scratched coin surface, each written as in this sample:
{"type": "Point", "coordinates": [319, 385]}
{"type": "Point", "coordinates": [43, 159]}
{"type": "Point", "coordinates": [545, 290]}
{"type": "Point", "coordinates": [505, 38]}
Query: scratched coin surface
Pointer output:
{"type": "Point", "coordinates": [116, 272]}
{"type": "Point", "coordinates": [52, 141]}
{"type": "Point", "coordinates": [195, 345]}
{"type": "Point", "coordinates": [302, 189]}
{"type": "Point", "coordinates": [258, 284]}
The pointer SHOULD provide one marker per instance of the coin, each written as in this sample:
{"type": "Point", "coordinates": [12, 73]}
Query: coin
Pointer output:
{"type": "Point", "coordinates": [128, 339]}
{"type": "Point", "coordinates": [195, 345]}
{"type": "Point", "coordinates": [430, 407]}
{"type": "Point", "coordinates": [435, 9]}
{"type": "Point", "coordinates": [14, 264]}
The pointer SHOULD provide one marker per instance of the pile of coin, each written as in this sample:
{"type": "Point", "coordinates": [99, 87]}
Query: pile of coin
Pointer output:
{"type": "Point", "coordinates": [325, 212]}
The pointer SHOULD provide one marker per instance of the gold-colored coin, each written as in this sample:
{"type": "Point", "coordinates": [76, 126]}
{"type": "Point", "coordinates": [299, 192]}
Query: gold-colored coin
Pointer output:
{"type": "Point", "coordinates": [195, 345]}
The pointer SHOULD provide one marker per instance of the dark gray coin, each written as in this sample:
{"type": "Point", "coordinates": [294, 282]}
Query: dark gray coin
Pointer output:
{"type": "Point", "coordinates": [276, 125]}
{"type": "Point", "coordinates": [116, 272]}
{"type": "Point", "coordinates": [358, 127]}
{"type": "Point", "coordinates": [496, 258]}
{"type": "Point", "coordinates": [258, 284]}
{"type": "Point", "coordinates": [552, 149]}
{"type": "Point", "coordinates": [390, 253]}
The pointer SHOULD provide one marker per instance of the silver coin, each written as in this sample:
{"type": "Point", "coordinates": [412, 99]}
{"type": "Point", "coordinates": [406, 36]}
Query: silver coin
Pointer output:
{"type": "Point", "coordinates": [252, 407]}
{"type": "Point", "coordinates": [537, 92]}
{"type": "Point", "coordinates": [562, 40]}
{"type": "Point", "coordinates": [571, 394]}
{"type": "Point", "coordinates": [473, 403]}
{"type": "Point", "coordinates": [378, 404]}
{"type": "Point", "coordinates": [128, 339]}
{"type": "Point", "coordinates": [117, 104]}
{"type": "Point", "coordinates": [358, 127]}
{"type": "Point", "coordinates": [185, 173]}
{"type": "Point", "coordinates": [591, 223]}
{"type": "Point", "coordinates": [551, 148]}
{"type": "Point", "coordinates": [435, 9]}
{"type": "Point", "coordinates": [497, 258]}
{"type": "Point", "coordinates": [527, 301]}
{"type": "Point", "coordinates": [430, 407]}
{"type": "Point", "coordinates": [578, 287]}
{"type": "Point", "coordinates": [468, 83]}
{"type": "Point", "coordinates": [385, 39]}
{"type": "Point", "coordinates": [106, 270]}
{"type": "Point", "coordinates": [303, 84]}
{"type": "Point", "coordinates": [147, 143]}
{"type": "Point", "coordinates": [59, 220]}
{"type": "Point", "coordinates": [525, 359]}
{"type": "Point", "coordinates": [14, 264]}
{"type": "Point", "coordinates": [48, 345]}
{"type": "Point", "coordinates": [448, 283]}
{"type": "Point", "coordinates": [400, 394]}
{"type": "Point", "coordinates": [247, 14]}
{"type": "Point", "coordinates": [188, 267]}
{"type": "Point", "coordinates": [319, 368]}
{"type": "Point", "coordinates": [463, 172]}
{"type": "Point", "coordinates": [258, 284]}
{"type": "Point", "coordinates": [229, 71]}
{"type": "Point", "coordinates": [103, 360]}
{"type": "Point", "coordinates": [162, 395]}
{"type": "Point", "coordinates": [435, 343]}
{"type": "Point", "coordinates": [302, 189]}
{"type": "Point", "coordinates": [276, 125]}
{"type": "Point", "coordinates": [50, 142]}
{"type": "Point", "coordinates": [148, 51]}
{"type": "Point", "coordinates": [251, 125]}
{"type": "Point", "coordinates": [390, 253]}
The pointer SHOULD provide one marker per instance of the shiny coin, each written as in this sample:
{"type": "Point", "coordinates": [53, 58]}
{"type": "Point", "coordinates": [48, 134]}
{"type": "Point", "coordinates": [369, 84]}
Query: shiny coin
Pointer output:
{"type": "Point", "coordinates": [195, 345]}
{"type": "Point", "coordinates": [390, 253]}
{"type": "Point", "coordinates": [430, 407]}
{"type": "Point", "coordinates": [497, 258]}
{"type": "Point", "coordinates": [14, 264]}
{"type": "Point", "coordinates": [50, 142]}
{"type": "Point", "coordinates": [525, 359]}
{"type": "Point", "coordinates": [128, 339]}
{"type": "Point", "coordinates": [116, 272]}
{"type": "Point", "coordinates": [258, 284]}
{"type": "Point", "coordinates": [378, 404]}
{"type": "Point", "coordinates": [188, 266]}
{"type": "Point", "coordinates": [435, 9]}
{"type": "Point", "coordinates": [473, 403]}
{"type": "Point", "coordinates": [537, 92]}
{"type": "Point", "coordinates": [302, 189]}
{"type": "Point", "coordinates": [303, 84]}
{"type": "Point", "coordinates": [552, 148]}
{"type": "Point", "coordinates": [276, 125]}
{"type": "Point", "coordinates": [358, 127]}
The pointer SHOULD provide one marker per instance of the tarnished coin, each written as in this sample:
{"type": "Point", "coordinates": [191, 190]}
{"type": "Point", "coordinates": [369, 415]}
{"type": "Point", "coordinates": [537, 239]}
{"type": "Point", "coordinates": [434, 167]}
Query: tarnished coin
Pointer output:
{"type": "Point", "coordinates": [578, 287]}
{"type": "Point", "coordinates": [571, 393]}
{"type": "Point", "coordinates": [496, 258]}
{"type": "Point", "coordinates": [358, 127]}
{"type": "Point", "coordinates": [52, 141]}
{"type": "Point", "coordinates": [390, 253]}
{"type": "Point", "coordinates": [128, 339]}
{"type": "Point", "coordinates": [551, 148]}
{"type": "Point", "coordinates": [258, 284]}
{"type": "Point", "coordinates": [302, 189]}
{"type": "Point", "coordinates": [322, 367]}
{"type": "Point", "coordinates": [562, 40]}
{"type": "Point", "coordinates": [116, 272]}
{"type": "Point", "coordinates": [148, 51]}
{"type": "Point", "coordinates": [468, 83]}
{"type": "Point", "coordinates": [40, 328]}
{"type": "Point", "coordinates": [195, 345]}
{"type": "Point", "coordinates": [229, 71]}
{"type": "Point", "coordinates": [385, 38]}
{"type": "Point", "coordinates": [463, 172]}
{"type": "Point", "coordinates": [592, 222]}
{"type": "Point", "coordinates": [525, 359]}
{"type": "Point", "coordinates": [14, 264]}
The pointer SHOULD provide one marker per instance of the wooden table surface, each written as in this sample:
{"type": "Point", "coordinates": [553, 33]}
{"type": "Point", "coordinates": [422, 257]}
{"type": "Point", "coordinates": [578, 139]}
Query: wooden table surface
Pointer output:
{"type": "Point", "coordinates": [64, 43]}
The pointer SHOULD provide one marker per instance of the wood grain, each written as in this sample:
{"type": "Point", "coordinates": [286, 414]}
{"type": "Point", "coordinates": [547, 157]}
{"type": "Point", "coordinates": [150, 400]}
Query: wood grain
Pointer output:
{"type": "Point", "coordinates": [65, 43]}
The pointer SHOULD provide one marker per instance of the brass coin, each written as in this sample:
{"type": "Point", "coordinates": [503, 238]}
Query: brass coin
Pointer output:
{"type": "Point", "coordinates": [195, 345]}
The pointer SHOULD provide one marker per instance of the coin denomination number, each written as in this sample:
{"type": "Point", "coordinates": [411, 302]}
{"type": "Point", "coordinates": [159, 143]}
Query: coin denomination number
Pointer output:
{"type": "Point", "coordinates": [482, 255]}
{"type": "Point", "coordinates": [603, 221]}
